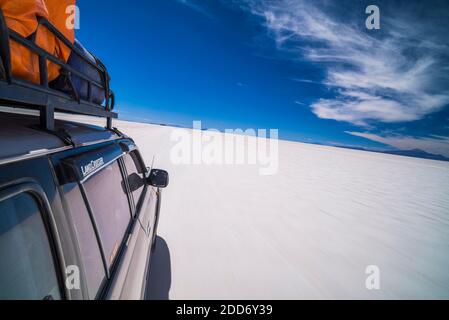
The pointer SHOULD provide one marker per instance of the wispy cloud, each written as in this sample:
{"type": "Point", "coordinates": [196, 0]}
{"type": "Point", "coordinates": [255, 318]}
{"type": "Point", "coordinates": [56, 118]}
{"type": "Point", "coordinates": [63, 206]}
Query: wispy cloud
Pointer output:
{"type": "Point", "coordinates": [432, 144]}
{"type": "Point", "coordinates": [195, 7]}
{"type": "Point", "coordinates": [397, 77]}
{"type": "Point", "coordinates": [305, 81]}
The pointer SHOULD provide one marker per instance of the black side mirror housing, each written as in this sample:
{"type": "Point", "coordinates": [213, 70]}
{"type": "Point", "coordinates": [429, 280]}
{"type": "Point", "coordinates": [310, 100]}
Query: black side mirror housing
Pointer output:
{"type": "Point", "coordinates": [158, 178]}
{"type": "Point", "coordinates": [135, 182]}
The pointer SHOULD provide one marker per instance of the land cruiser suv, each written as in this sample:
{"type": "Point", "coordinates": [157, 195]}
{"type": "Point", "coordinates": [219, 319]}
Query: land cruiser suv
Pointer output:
{"type": "Point", "coordinates": [79, 208]}
{"type": "Point", "coordinates": [88, 210]}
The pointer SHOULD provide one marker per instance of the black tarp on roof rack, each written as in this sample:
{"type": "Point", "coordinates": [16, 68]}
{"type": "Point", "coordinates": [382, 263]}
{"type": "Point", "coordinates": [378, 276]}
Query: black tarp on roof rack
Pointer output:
{"type": "Point", "coordinates": [17, 92]}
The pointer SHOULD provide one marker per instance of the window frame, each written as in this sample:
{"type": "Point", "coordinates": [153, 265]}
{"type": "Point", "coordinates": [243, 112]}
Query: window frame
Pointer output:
{"type": "Point", "coordinates": [76, 239]}
{"type": "Point", "coordinates": [35, 191]}
{"type": "Point", "coordinates": [68, 174]}
{"type": "Point", "coordinates": [136, 207]}
{"type": "Point", "coordinates": [110, 272]}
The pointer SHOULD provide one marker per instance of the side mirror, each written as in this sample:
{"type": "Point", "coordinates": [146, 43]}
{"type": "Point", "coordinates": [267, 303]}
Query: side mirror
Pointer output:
{"type": "Point", "coordinates": [158, 178]}
{"type": "Point", "coordinates": [135, 182]}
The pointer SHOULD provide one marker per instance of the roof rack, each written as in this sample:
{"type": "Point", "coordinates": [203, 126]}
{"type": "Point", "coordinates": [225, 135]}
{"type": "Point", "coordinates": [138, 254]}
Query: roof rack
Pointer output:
{"type": "Point", "coordinates": [17, 92]}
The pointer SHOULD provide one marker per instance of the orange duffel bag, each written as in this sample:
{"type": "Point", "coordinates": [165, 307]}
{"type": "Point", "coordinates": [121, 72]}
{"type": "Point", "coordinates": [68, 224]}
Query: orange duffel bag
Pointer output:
{"type": "Point", "coordinates": [21, 16]}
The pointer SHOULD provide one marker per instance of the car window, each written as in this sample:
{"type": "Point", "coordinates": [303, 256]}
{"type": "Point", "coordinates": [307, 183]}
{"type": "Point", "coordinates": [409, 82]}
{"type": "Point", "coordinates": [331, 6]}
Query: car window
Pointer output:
{"type": "Point", "coordinates": [106, 193]}
{"type": "Point", "coordinates": [88, 244]}
{"type": "Point", "coordinates": [27, 269]}
{"type": "Point", "coordinates": [132, 169]}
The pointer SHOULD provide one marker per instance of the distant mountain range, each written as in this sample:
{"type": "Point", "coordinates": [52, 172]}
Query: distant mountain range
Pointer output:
{"type": "Point", "coordinates": [415, 153]}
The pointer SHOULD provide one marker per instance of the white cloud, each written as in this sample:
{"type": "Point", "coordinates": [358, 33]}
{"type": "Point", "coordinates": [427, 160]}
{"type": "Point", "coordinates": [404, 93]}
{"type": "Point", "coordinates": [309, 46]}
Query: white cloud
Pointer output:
{"type": "Point", "coordinates": [397, 78]}
{"type": "Point", "coordinates": [305, 80]}
{"type": "Point", "coordinates": [433, 144]}
{"type": "Point", "coordinates": [195, 7]}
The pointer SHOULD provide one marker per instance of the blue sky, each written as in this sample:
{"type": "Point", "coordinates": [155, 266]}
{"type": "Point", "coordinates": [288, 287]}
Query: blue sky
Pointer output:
{"type": "Point", "coordinates": [308, 68]}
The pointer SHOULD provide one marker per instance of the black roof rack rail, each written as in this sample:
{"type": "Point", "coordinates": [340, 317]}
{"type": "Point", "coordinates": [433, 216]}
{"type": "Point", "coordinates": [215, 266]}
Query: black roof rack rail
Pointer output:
{"type": "Point", "coordinates": [17, 92]}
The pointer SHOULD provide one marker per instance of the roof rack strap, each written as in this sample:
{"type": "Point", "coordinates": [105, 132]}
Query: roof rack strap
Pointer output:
{"type": "Point", "coordinates": [47, 117]}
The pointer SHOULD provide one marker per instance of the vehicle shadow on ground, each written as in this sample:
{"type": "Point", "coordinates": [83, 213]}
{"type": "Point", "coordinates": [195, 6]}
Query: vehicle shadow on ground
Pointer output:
{"type": "Point", "coordinates": [159, 279]}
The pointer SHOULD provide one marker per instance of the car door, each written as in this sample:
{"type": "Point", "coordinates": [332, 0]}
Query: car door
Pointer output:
{"type": "Point", "coordinates": [111, 229]}
{"type": "Point", "coordinates": [143, 199]}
